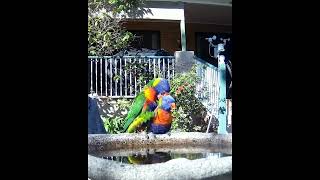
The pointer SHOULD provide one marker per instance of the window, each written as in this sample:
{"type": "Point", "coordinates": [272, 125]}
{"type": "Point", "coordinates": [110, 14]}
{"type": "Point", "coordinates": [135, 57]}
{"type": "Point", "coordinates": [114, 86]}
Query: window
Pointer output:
{"type": "Point", "coordinates": [146, 39]}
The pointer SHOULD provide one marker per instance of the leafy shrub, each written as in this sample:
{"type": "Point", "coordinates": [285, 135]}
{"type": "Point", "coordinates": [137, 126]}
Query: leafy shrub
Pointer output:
{"type": "Point", "coordinates": [190, 112]}
{"type": "Point", "coordinates": [113, 125]}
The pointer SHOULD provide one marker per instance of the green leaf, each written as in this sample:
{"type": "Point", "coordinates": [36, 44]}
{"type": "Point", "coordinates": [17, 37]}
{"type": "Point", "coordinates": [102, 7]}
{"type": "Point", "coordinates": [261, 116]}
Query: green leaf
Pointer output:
{"type": "Point", "coordinates": [112, 1]}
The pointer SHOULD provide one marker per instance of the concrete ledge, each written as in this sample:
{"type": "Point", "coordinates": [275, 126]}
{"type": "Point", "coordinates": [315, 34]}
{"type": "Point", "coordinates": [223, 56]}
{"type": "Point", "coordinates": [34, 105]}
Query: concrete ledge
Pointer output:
{"type": "Point", "coordinates": [140, 140]}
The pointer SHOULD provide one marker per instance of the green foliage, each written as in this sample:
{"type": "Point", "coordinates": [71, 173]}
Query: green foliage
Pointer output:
{"type": "Point", "coordinates": [139, 70]}
{"type": "Point", "coordinates": [190, 111]}
{"type": "Point", "coordinates": [113, 125]}
{"type": "Point", "coordinates": [106, 35]}
{"type": "Point", "coordinates": [124, 103]}
{"type": "Point", "coordinates": [116, 6]}
{"type": "Point", "coordinates": [126, 6]}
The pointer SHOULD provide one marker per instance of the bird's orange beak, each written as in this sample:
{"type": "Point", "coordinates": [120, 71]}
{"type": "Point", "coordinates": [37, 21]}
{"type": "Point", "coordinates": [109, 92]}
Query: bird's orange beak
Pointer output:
{"type": "Point", "coordinates": [173, 106]}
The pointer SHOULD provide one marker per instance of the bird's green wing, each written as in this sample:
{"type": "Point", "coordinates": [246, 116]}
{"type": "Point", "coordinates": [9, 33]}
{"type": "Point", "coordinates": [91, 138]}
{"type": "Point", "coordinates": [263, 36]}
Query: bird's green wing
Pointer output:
{"type": "Point", "coordinates": [134, 111]}
{"type": "Point", "coordinates": [142, 118]}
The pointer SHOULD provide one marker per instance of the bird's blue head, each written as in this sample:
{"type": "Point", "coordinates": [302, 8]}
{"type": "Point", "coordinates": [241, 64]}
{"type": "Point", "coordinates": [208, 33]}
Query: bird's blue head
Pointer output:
{"type": "Point", "coordinates": [161, 85]}
{"type": "Point", "coordinates": [167, 102]}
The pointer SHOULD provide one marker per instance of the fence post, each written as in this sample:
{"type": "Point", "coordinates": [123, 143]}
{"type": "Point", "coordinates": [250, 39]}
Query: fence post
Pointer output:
{"type": "Point", "coordinates": [222, 111]}
{"type": "Point", "coordinates": [184, 60]}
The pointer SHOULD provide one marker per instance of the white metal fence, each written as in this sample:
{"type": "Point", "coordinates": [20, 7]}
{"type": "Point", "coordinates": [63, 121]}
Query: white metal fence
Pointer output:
{"type": "Point", "coordinates": [125, 76]}
{"type": "Point", "coordinates": [116, 77]}
{"type": "Point", "coordinates": [208, 88]}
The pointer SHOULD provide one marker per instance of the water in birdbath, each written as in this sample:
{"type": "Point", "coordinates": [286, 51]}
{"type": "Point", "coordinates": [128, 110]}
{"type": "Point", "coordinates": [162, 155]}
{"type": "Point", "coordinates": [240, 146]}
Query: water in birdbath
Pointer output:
{"type": "Point", "coordinates": [159, 155]}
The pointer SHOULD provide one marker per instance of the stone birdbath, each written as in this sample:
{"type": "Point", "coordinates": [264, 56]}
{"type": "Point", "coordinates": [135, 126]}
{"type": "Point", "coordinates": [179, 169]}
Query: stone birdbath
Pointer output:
{"type": "Point", "coordinates": [100, 145]}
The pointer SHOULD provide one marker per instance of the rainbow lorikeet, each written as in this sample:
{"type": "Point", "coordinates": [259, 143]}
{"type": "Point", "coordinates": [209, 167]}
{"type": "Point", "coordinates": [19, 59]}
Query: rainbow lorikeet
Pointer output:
{"type": "Point", "coordinates": [161, 123]}
{"type": "Point", "coordinates": [142, 109]}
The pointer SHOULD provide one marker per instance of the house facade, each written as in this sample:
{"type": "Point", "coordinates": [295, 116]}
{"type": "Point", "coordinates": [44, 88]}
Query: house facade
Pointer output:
{"type": "Point", "coordinates": [182, 25]}
{"type": "Point", "coordinates": [181, 28]}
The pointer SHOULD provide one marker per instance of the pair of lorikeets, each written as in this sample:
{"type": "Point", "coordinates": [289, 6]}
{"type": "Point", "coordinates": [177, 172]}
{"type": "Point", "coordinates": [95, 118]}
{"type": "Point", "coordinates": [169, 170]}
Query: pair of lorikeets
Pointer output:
{"type": "Point", "coordinates": [151, 109]}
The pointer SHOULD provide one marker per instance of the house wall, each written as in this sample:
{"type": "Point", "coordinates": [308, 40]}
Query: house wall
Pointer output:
{"type": "Point", "coordinates": [170, 32]}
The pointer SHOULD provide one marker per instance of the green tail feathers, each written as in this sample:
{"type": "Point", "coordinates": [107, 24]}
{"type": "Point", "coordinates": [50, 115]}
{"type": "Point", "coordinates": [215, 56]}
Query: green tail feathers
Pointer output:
{"type": "Point", "coordinates": [135, 109]}
{"type": "Point", "coordinates": [126, 125]}
{"type": "Point", "coordinates": [143, 118]}
{"type": "Point", "coordinates": [147, 116]}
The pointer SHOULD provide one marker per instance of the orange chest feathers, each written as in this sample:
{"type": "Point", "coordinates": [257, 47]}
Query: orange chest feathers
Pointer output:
{"type": "Point", "coordinates": [162, 117]}
{"type": "Point", "coordinates": [150, 94]}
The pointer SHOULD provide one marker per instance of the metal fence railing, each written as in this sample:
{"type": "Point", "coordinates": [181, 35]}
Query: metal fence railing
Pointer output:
{"type": "Point", "coordinates": [208, 87]}
{"type": "Point", "coordinates": [125, 76]}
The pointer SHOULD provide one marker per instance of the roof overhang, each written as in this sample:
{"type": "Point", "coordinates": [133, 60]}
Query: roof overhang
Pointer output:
{"type": "Point", "coordinates": [190, 11]}
{"type": "Point", "coordinates": [211, 2]}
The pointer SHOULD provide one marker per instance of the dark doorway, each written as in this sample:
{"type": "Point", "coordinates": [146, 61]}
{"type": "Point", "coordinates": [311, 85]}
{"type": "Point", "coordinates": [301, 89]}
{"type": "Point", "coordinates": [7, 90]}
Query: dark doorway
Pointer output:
{"type": "Point", "coordinates": [202, 46]}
